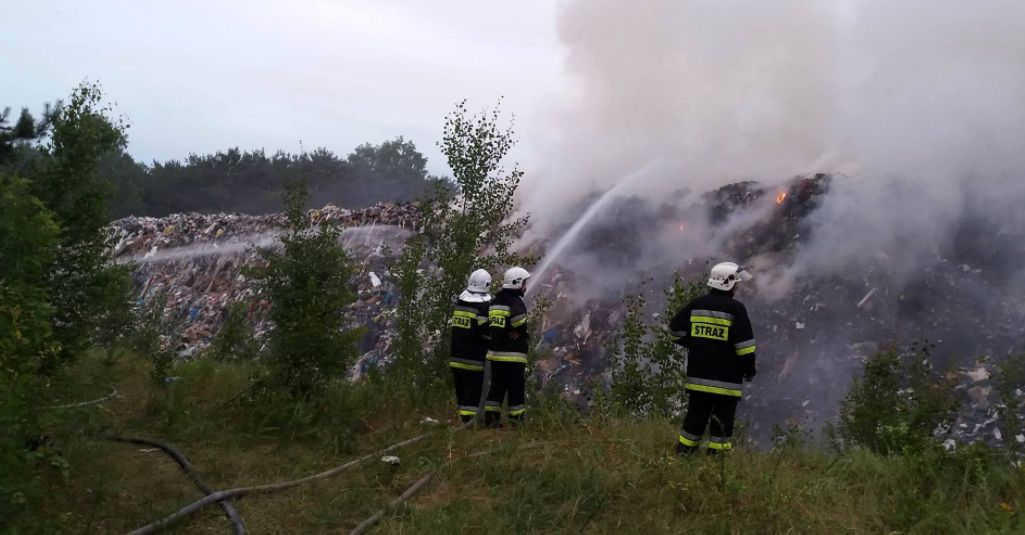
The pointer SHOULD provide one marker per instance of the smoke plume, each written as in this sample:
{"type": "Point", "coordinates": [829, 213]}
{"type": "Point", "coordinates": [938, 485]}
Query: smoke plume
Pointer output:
{"type": "Point", "coordinates": [916, 110]}
{"type": "Point", "coordinates": [920, 104]}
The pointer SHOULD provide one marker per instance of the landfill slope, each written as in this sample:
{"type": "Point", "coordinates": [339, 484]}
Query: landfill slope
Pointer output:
{"type": "Point", "coordinates": [197, 263]}
{"type": "Point", "coordinates": [813, 338]}
{"type": "Point", "coordinates": [812, 341]}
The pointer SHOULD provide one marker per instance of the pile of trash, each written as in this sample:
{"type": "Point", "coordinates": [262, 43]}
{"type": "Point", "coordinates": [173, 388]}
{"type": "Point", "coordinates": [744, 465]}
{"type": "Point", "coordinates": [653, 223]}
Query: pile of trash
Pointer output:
{"type": "Point", "coordinates": [139, 238]}
{"type": "Point", "coordinates": [983, 412]}
{"type": "Point", "coordinates": [812, 341]}
{"type": "Point", "coordinates": [196, 263]}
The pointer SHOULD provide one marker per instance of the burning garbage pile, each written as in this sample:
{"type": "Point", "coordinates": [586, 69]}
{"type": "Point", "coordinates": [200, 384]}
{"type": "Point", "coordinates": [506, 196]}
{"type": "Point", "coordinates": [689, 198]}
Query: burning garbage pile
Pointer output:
{"type": "Point", "coordinates": [813, 335]}
{"type": "Point", "coordinates": [196, 263]}
{"type": "Point", "coordinates": [813, 338]}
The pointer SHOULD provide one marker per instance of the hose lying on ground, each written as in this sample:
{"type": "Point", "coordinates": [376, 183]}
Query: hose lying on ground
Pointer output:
{"type": "Point", "coordinates": [111, 395]}
{"type": "Point", "coordinates": [218, 496]}
{"type": "Point", "coordinates": [229, 510]}
{"type": "Point", "coordinates": [376, 517]}
{"type": "Point", "coordinates": [365, 526]}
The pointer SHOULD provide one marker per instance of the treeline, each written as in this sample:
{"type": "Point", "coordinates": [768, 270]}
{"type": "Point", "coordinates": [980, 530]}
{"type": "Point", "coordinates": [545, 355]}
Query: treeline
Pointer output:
{"type": "Point", "coordinates": [253, 182]}
{"type": "Point", "coordinates": [235, 180]}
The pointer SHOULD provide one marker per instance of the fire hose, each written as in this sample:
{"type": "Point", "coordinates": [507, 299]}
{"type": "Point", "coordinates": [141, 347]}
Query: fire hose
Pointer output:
{"type": "Point", "coordinates": [113, 394]}
{"type": "Point", "coordinates": [229, 510]}
{"type": "Point", "coordinates": [223, 497]}
{"type": "Point", "coordinates": [370, 522]}
{"type": "Point", "coordinates": [365, 526]}
{"type": "Point", "coordinates": [219, 496]}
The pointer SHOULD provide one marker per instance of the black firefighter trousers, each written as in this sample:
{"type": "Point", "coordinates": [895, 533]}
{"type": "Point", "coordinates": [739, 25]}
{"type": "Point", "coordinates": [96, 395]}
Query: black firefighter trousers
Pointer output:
{"type": "Point", "coordinates": [714, 411]}
{"type": "Point", "coordinates": [507, 378]}
{"type": "Point", "coordinates": [468, 385]}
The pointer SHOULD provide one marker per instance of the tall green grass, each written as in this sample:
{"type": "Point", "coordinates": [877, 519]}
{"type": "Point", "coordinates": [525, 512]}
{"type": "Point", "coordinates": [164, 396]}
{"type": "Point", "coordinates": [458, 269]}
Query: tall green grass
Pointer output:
{"type": "Point", "coordinates": [563, 472]}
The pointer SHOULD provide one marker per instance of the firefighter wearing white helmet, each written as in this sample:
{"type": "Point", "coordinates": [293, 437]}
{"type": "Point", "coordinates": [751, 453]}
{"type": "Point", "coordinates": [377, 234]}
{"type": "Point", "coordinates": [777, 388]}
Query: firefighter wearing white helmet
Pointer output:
{"type": "Point", "coordinates": [478, 288]}
{"type": "Point", "coordinates": [507, 349]}
{"type": "Point", "coordinates": [717, 333]}
{"type": "Point", "coordinates": [725, 275]}
{"type": "Point", "coordinates": [515, 279]}
{"type": "Point", "coordinates": [469, 342]}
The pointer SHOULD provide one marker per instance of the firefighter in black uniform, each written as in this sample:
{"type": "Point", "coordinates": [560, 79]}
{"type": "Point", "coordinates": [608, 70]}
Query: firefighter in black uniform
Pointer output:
{"type": "Point", "coordinates": [717, 332]}
{"type": "Point", "coordinates": [469, 343]}
{"type": "Point", "coordinates": [507, 349]}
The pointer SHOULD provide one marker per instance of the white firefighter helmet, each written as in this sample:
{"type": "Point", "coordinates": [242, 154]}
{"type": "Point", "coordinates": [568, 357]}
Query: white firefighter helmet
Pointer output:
{"type": "Point", "coordinates": [515, 278]}
{"type": "Point", "coordinates": [725, 275]}
{"type": "Point", "coordinates": [478, 287]}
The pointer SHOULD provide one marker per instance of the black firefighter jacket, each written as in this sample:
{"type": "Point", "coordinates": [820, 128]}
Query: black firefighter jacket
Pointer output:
{"type": "Point", "coordinates": [469, 335]}
{"type": "Point", "coordinates": [507, 316]}
{"type": "Point", "coordinates": [717, 332]}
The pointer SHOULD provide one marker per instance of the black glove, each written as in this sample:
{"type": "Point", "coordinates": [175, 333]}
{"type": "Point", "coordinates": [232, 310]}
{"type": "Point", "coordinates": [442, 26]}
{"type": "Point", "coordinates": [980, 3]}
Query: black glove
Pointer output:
{"type": "Point", "coordinates": [750, 372]}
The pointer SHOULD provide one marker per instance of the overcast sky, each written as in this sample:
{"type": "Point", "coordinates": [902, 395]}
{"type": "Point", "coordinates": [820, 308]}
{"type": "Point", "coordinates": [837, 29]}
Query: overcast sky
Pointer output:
{"type": "Point", "coordinates": [198, 76]}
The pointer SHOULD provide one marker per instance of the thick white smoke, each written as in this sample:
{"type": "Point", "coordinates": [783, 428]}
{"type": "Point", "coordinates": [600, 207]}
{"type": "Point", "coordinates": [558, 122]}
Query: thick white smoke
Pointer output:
{"type": "Point", "coordinates": [916, 107]}
{"type": "Point", "coordinates": [920, 103]}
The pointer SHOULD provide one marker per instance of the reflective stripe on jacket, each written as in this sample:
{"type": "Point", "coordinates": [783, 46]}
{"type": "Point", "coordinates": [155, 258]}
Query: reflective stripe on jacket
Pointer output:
{"type": "Point", "coordinates": [469, 335]}
{"type": "Point", "coordinates": [716, 330]}
{"type": "Point", "coordinates": [507, 314]}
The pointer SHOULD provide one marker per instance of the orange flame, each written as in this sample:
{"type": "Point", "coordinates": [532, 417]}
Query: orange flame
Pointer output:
{"type": "Point", "coordinates": [780, 197]}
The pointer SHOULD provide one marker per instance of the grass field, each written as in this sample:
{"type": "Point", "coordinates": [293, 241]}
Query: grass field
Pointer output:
{"type": "Point", "coordinates": [561, 473]}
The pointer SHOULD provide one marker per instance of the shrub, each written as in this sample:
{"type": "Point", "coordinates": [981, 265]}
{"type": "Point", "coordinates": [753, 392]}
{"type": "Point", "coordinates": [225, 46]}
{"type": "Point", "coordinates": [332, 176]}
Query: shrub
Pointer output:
{"type": "Point", "coordinates": [475, 229]}
{"type": "Point", "coordinates": [307, 283]}
{"type": "Point", "coordinates": [149, 334]}
{"type": "Point", "coordinates": [85, 289]}
{"type": "Point", "coordinates": [648, 371]}
{"type": "Point", "coordinates": [898, 404]}
{"type": "Point", "coordinates": [1010, 381]}
{"type": "Point", "coordinates": [235, 339]}
{"type": "Point", "coordinates": [28, 243]}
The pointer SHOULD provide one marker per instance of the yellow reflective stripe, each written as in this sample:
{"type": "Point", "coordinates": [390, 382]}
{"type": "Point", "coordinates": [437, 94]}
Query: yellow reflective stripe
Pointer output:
{"type": "Point", "coordinates": [746, 351]}
{"type": "Point", "coordinates": [709, 319]}
{"type": "Point", "coordinates": [517, 412]}
{"type": "Point", "coordinates": [519, 322]}
{"type": "Point", "coordinates": [506, 358]}
{"type": "Point", "coordinates": [687, 442]}
{"type": "Point", "coordinates": [497, 318]}
{"type": "Point", "coordinates": [493, 408]}
{"type": "Point", "coordinates": [719, 446]}
{"type": "Point", "coordinates": [464, 314]}
{"type": "Point", "coordinates": [714, 332]}
{"type": "Point", "coordinates": [462, 366]}
{"type": "Point", "coordinates": [467, 413]}
{"type": "Point", "coordinates": [714, 390]}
